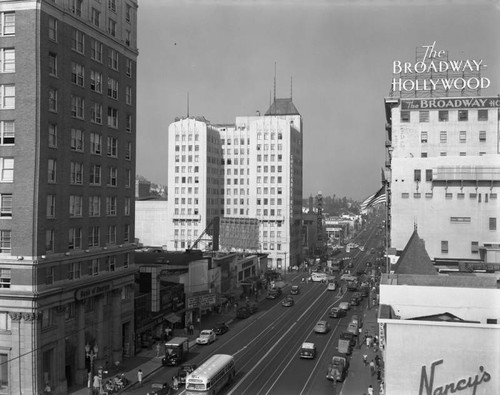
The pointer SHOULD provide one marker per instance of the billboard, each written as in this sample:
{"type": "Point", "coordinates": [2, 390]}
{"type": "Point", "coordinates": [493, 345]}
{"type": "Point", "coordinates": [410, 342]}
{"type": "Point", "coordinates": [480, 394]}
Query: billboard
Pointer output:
{"type": "Point", "coordinates": [238, 234]}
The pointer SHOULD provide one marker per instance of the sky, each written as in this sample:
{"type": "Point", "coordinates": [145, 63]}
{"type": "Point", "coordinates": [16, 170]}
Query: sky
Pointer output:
{"type": "Point", "coordinates": [333, 57]}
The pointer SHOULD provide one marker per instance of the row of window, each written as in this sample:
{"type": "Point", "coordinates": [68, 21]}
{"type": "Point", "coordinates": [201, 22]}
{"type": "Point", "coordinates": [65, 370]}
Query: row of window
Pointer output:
{"type": "Point", "coordinates": [443, 115]}
{"type": "Point", "coordinates": [77, 143]}
{"type": "Point", "coordinates": [449, 195]}
{"type": "Point", "coordinates": [443, 136]}
{"type": "Point", "coordinates": [444, 153]}
{"type": "Point", "coordinates": [77, 174]}
{"type": "Point", "coordinates": [474, 247]}
{"type": "Point", "coordinates": [76, 206]}
{"type": "Point", "coordinates": [75, 237]}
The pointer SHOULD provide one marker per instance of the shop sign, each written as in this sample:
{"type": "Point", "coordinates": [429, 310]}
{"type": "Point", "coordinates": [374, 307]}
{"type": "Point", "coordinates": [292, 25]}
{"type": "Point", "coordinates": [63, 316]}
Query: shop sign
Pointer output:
{"type": "Point", "coordinates": [435, 72]}
{"type": "Point", "coordinates": [439, 104]}
{"type": "Point", "coordinates": [88, 292]}
{"type": "Point", "coordinates": [204, 300]}
{"type": "Point", "coordinates": [427, 383]}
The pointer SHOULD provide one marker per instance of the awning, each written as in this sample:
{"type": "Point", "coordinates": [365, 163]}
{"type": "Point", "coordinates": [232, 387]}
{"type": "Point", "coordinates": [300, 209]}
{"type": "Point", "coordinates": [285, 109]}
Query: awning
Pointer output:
{"type": "Point", "coordinates": [173, 318]}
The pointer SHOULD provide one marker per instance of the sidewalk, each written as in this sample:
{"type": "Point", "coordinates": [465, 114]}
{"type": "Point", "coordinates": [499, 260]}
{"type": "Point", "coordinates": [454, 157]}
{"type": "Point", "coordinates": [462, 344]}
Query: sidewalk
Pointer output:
{"type": "Point", "coordinates": [146, 359]}
{"type": "Point", "coordinates": [360, 377]}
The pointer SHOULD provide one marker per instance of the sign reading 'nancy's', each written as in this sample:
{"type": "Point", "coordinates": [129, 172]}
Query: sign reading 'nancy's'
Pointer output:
{"type": "Point", "coordinates": [435, 72]}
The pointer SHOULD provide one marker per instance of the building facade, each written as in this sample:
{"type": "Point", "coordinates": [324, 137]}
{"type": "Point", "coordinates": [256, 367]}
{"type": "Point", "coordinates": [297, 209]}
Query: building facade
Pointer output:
{"type": "Point", "coordinates": [249, 169]}
{"type": "Point", "coordinates": [67, 119]}
{"type": "Point", "coordinates": [445, 175]}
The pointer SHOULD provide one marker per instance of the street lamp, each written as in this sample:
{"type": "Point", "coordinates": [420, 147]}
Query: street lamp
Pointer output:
{"type": "Point", "coordinates": [91, 354]}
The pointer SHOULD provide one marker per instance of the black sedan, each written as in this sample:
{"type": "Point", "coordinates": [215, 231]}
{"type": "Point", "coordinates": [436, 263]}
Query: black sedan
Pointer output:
{"type": "Point", "coordinates": [220, 328]}
{"type": "Point", "coordinates": [336, 312]}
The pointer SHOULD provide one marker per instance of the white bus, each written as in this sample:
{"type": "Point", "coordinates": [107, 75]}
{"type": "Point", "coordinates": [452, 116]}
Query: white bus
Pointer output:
{"type": "Point", "coordinates": [211, 376]}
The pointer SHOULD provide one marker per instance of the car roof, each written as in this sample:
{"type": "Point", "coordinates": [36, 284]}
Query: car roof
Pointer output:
{"type": "Point", "coordinates": [321, 322]}
{"type": "Point", "coordinates": [308, 345]}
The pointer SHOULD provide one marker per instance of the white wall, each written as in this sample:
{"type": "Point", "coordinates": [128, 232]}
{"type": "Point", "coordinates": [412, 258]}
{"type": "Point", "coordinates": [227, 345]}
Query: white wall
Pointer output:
{"type": "Point", "coordinates": [151, 222]}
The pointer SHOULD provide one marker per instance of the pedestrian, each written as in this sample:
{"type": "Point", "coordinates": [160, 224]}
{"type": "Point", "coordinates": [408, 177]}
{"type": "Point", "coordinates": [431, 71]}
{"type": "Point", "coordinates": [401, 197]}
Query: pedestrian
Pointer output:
{"type": "Point", "coordinates": [186, 332]}
{"type": "Point", "coordinates": [365, 359]}
{"type": "Point", "coordinates": [370, 390]}
{"type": "Point", "coordinates": [96, 385]}
{"type": "Point", "coordinates": [381, 390]}
{"type": "Point", "coordinates": [175, 383]}
{"type": "Point", "coordinates": [379, 375]}
{"type": "Point", "coordinates": [377, 361]}
{"type": "Point", "coordinates": [191, 329]}
{"type": "Point", "coordinates": [139, 377]}
{"type": "Point", "coordinates": [372, 367]}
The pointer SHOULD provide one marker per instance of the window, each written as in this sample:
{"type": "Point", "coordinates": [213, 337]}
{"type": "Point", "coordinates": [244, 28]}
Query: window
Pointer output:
{"type": "Point", "coordinates": [75, 269]}
{"type": "Point", "coordinates": [128, 179]}
{"type": "Point", "coordinates": [75, 238]}
{"type": "Point", "coordinates": [53, 64]}
{"type": "Point", "coordinates": [423, 154]}
{"type": "Point", "coordinates": [94, 206]}
{"type": "Point", "coordinates": [53, 99]}
{"type": "Point", "coordinates": [463, 115]}
{"type": "Point", "coordinates": [405, 195]}
{"type": "Point", "coordinates": [94, 267]}
{"type": "Point", "coordinates": [460, 220]}
{"type": "Point", "coordinates": [112, 5]}
{"type": "Point", "coordinates": [52, 29]}
{"type": "Point", "coordinates": [76, 173]}
{"type": "Point", "coordinates": [95, 143]}
{"type": "Point", "coordinates": [77, 107]}
{"type": "Point", "coordinates": [95, 81]}
{"type": "Point", "coordinates": [95, 174]}
{"type": "Point", "coordinates": [482, 135]}
{"type": "Point", "coordinates": [7, 24]}
{"type": "Point", "coordinates": [448, 195]}
{"type": "Point", "coordinates": [96, 50]}
{"type": "Point", "coordinates": [417, 176]}
{"type": "Point", "coordinates": [463, 136]}
{"type": "Point", "coordinates": [482, 115]}
{"type": "Point", "coordinates": [5, 323]}
{"type": "Point", "coordinates": [128, 125]}
{"type": "Point", "coordinates": [111, 205]}
{"type": "Point", "coordinates": [5, 246]}
{"type": "Point", "coordinates": [96, 113]}
{"type": "Point", "coordinates": [423, 137]}
{"type": "Point", "coordinates": [127, 206]}
{"type": "Point", "coordinates": [112, 147]}
{"type": "Point", "coordinates": [6, 169]}
{"type": "Point", "coordinates": [6, 205]}
{"type": "Point", "coordinates": [4, 273]}
{"type": "Point", "coordinates": [111, 263]}
{"type": "Point", "coordinates": [7, 96]}
{"type": "Point", "coordinates": [128, 13]}
{"type": "Point", "coordinates": [94, 236]}
{"type": "Point", "coordinates": [128, 151]}
{"type": "Point", "coordinates": [95, 17]}
{"type": "Point", "coordinates": [76, 7]}
{"type": "Point", "coordinates": [75, 205]}
{"type": "Point", "coordinates": [111, 234]}
{"type": "Point", "coordinates": [443, 137]}
{"type": "Point", "coordinates": [126, 260]}
{"type": "Point", "coordinates": [493, 223]}
{"type": "Point", "coordinates": [51, 206]}
{"type": "Point", "coordinates": [405, 116]}
{"type": "Point", "coordinates": [112, 27]}
{"type": "Point", "coordinates": [52, 135]}
{"type": "Point", "coordinates": [113, 88]}
{"type": "Point", "coordinates": [76, 143]}
{"type": "Point", "coordinates": [7, 60]}
{"type": "Point", "coordinates": [7, 131]}
{"type": "Point", "coordinates": [128, 70]}
{"type": "Point", "coordinates": [128, 95]}
{"type": "Point", "coordinates": [112, 117]}
{"type": "Point", "coordinates": [428, 175]}
{"type": "Point", "coordinates": [113, 59]}
{"type": "Point", "coordinates": [423, 116]}
{"type": "Point", "coordinates": [112, 176]}
{"type": "Point", "coordinates": [52, 171]}
{"type": "Point", "coordinates": [444, 246]}
{"type": "Point", "coordinates": [77, 41]}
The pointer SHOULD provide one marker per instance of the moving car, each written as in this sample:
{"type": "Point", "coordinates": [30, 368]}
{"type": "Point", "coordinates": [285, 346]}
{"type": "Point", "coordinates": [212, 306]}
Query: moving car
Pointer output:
{"type": "Point", "coordinates": [207, 336]}
{"type": "Point", "coordinates": [274, 293]}
{"type": "Point", "coordinates": [288, 302]}
{"type": "Point", "coordinates": [336, 312]}
{"type": "Point", "coordinates": [331, 286]}
{"type": "Point", "coordinates": [308, 350]}
{"type": "Point", "coordinates": [354, 301]}
{"type": "Point", "coordinates": [337, 369]}
{"type": "Point", "coordinates": [220, 328]}
{"type": "Point", "coordinates": [322, 327]}
{"type": "Point", "coordinates": [182, 372]}
{"type": "Point", "coordinates": [159, 388]}
{"type": "Point", "coordinates": [295, 290]}
{"type": "Point", "coordinates": [344, 306]}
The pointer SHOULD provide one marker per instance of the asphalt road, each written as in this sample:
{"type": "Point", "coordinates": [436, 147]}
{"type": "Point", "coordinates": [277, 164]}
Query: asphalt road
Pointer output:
{"type": "Point", "coordinates": [266, 345]}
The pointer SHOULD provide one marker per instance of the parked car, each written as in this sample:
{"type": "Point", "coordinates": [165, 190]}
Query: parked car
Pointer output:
{"type": "Point", "coordinates": [220, 328]}
{"type": "Point", "coordinates": [348, 336]}
{"type": "Point", "coordinates": [183, 371]}
{"type": "Point", "coordinates": [336, 312]}
{"type": "Point", "coordinates": [207, 336]}
{"type": "Point", "coordinates": [337, 369]}
{"type": "Point", "coordinates": [159, 388]}
{"type": "Point", "coordinates": [308, 350]}
{"type": "Point", "coordinates": [295, 290]}
{"type": "Point", "coordinates": [243, 312]}
{"type": "Point", "coordinates": [274, 293]}
{"type": "Point", "coordinates": [252, 307]}
{"type": "Point", "coordinates": [288, 301]}
{"type": "Point", "coordinates": [331, 286]}
{"type": "Point", "coordinates": [344, 306]}
{"type": "Point", "coordinates": [354, 301]}
{"type": "Point", "coordinates": [322, 327]}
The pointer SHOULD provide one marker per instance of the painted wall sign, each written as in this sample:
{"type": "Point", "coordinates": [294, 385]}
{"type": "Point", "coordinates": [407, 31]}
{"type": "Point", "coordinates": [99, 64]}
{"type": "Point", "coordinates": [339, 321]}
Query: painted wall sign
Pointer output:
{"type": "Point", "coordinates": [435, 72]}
{"type": "Point", "coordinates": [427, 382]}
{"type": "Point", "coordinates": [443, 104]}
{"type": "Point", "coordinates": [88, 292]}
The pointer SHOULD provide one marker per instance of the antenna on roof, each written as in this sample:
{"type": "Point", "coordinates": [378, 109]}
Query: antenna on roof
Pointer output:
{"type": "Point", "coordinates": [188, 104]}
{"type": "Point", "coordinates": [274, 81]}
{"type": "Point", "coordinates": [291, 88]}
